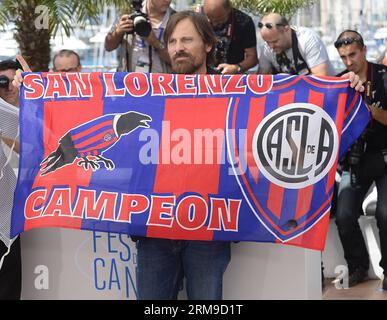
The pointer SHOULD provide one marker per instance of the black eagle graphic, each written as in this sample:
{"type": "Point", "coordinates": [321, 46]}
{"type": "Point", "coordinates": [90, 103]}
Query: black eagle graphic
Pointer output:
{"type": "Point", "coordinates": [92, 139]}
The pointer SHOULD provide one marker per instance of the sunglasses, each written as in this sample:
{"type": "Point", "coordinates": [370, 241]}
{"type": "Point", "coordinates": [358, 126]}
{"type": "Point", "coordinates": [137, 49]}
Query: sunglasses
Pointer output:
{"type": "Point", "coordinates": [347, 41]}
{"type": "Point", "coordinates": [269, 25]}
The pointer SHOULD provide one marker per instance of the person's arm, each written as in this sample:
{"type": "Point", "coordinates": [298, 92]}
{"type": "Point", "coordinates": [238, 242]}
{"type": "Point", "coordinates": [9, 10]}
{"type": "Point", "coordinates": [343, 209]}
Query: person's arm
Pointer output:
{"type": "Point", "coordinates": [377, 113]}
{"type": "Point", "coordinates": [264, 66]}
{"type": "Point", "coordinates": [18, 79]}
{"type": "Point", "coordinates": [320, 70]}
{"type": "Point", "coordinates": [314, 53]}
{"type": "Point", "coordinates": [158, 46]}
{"type": "Point", "coordinates": [354, 81]}
{"type": "Point", "coordinates": [114, 38]}
{"type": "Point", "coordinates": [251, 59]}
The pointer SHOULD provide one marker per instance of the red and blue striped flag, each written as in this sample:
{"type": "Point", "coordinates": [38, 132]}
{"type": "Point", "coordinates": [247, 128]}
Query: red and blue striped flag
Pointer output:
{"type": "Point", "coordinates": [202, 157]}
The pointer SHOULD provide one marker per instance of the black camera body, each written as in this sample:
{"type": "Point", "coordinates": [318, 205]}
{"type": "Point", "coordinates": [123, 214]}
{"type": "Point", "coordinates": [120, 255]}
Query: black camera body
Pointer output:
{"type": "Point", "coordinates": [141, 24]}
{"type": "Point", "coordinates": [223, 35]}
{"type": "Point", "coordinates": [221, 51]}
{"type": "Point", "coordinates": [354, 157]}
{"type": "Point", "coordinates": [4, 81]}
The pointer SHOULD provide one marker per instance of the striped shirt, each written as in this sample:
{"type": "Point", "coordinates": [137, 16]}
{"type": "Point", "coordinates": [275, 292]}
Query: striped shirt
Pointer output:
{"type": "Point", "coordinates": [9, 124]}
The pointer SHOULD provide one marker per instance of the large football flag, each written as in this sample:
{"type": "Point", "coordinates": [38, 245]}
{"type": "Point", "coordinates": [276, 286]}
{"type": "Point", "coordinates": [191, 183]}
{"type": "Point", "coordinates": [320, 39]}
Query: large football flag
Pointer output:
{"type": "Point", "coordinates": [206, 157]}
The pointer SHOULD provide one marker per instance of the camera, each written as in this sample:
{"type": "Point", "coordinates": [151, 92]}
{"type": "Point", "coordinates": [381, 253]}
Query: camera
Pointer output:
{"type": "Point", "coordinates": [4, 81]}
{"type": "Point", "coordinates": [354, 156]}
{"type": "Point", "coordinates": [221, 51]}
{"type": "Point", "coordinates": [141, 24]}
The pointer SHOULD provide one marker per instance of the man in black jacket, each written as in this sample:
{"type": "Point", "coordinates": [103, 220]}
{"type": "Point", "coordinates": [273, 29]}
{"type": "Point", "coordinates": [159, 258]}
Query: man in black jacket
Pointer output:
{"type": "Point", "coordinates": [365, 162]}
{"type": "Point", "coordinates": [235, 51]}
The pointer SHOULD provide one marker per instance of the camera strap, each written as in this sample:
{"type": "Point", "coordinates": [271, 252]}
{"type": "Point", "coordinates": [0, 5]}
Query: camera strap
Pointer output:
{"type": "Point", "coordinates": [368, 94]}
{"type": "Point", "coordinates": [150, 58]}
{"type": "Point", "coordinates": [300, 65]}
{"type": "Point", "coordinates": [127, 58]}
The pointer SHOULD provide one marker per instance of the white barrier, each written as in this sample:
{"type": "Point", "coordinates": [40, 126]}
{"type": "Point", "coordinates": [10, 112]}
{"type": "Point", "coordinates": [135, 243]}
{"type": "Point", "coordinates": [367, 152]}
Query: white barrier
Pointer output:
{"type": "Point", "coordinates": [72, 264]}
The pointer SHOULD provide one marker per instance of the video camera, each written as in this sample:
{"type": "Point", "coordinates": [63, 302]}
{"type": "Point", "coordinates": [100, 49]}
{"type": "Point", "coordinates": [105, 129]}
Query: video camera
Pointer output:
{"type": "Point", "coordinates": [141, 22]}
{"type": "Point", "coordinates": [4, 81]}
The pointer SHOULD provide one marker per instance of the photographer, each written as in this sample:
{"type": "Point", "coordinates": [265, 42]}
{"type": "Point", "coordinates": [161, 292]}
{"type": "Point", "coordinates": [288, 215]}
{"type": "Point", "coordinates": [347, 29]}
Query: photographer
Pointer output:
{"type": "Point", "coordinates": [291, 50]}
{"type": "Point", "coordinates": [365, 163]}
{"type": "Point", "coordinates": [140, 36]}
{"type": "Point", "coordinates": [236, 50]}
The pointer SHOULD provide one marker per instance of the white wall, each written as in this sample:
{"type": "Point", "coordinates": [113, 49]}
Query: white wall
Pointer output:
{"type": "Point", "coordinates": [71, 264]}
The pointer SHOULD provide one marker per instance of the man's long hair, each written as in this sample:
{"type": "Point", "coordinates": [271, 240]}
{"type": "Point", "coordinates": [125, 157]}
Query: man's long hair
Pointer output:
{"type": "Point", "coordinates": [202, 25]}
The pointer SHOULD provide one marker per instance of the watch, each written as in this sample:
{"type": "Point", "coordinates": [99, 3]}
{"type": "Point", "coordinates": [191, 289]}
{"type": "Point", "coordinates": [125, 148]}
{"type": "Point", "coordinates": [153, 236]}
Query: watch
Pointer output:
{"type": "Point", "coordinates": [240, 69]}
{"type": "Point", "coordinates": [159, 46]}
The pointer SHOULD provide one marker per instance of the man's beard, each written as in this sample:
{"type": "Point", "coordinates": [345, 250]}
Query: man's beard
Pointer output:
{"type": "Point", "coordinates": [185, 67]}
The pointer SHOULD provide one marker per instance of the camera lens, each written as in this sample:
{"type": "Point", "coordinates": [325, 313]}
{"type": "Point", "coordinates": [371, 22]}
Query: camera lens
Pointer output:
{"type": "Point", "coordinates": [141, 26]}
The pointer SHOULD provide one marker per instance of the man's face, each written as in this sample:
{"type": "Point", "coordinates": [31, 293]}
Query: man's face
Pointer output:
{"type": "Point", "coordinates": [217, 18]}
{"type": "Point", "coordinates": [66, 64]}
{"type": "Point", "coordinates": [353, 57]}
{"type": "Point", "coordinates": [187, 50]}
{"type": "Point", "coordinates": [11, 93]}
{"type": "Point", "coordinates": [161, 5]}
{"type": "Point", "coordinates": [275, 38]}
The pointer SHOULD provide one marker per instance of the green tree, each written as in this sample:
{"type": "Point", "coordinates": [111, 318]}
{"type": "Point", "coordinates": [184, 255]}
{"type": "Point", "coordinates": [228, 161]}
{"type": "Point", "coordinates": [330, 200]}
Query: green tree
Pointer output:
{"type": "Point", "coordinates": [37, 20]}
{"type": "Point", "coordinates": [260, 7]}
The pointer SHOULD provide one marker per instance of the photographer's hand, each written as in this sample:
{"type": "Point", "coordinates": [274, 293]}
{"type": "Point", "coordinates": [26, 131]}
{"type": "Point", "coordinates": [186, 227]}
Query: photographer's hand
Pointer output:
{"type": "Point", "coordinates": [113, 39]}
{"type": "Point", "coordinates": [160, 48]}
{"type": "Point", "coordinates": [124, 25]}
{"type": "Point", "coordinates": [152, 40]}
{"type": "Point", "coordinates": [378, 113]}
{"type": "Point", "coordinates": [18, 79]}
{"type": "Point", "coordinates": [354, 81]}
{"type": "Point", "coordinates": [226, 68]}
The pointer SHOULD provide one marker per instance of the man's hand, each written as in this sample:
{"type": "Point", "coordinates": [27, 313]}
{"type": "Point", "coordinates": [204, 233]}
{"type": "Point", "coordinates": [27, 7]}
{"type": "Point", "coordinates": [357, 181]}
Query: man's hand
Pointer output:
{"type": "Point", "coordinates": [354, 81]}
{"type": "Point", "coordinates": [113, 39]}
{"type": "Point", "coordinates": [124, 25]}
{"type": "Point", "coordinates": [18, 79]}
{"type": "Point", "coordinates": [226, 68]}
{"type": "Point", "coordinates": [152, 40]}
{"type": "Point", "coordinates": [378, 113]}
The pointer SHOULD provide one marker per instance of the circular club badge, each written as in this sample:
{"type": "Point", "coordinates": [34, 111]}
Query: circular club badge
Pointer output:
{"type": "Point", "coordinates": [296, 145]}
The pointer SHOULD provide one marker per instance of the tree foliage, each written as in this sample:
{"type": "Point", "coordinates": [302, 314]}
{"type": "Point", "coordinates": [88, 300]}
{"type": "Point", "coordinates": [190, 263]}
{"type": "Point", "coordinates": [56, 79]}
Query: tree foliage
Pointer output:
{"type": "Point", "coordinates": [260, 7]}
{"type": "Point", "coordinates": [37, 20]}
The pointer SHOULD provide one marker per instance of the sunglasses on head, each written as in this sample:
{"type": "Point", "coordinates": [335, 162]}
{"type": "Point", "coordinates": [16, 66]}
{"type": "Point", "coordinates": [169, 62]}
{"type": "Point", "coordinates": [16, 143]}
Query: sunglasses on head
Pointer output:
{"type": "Point", "coordinates": [347, 41]}
{"type": "Point", "coordinates": [269, 25]}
